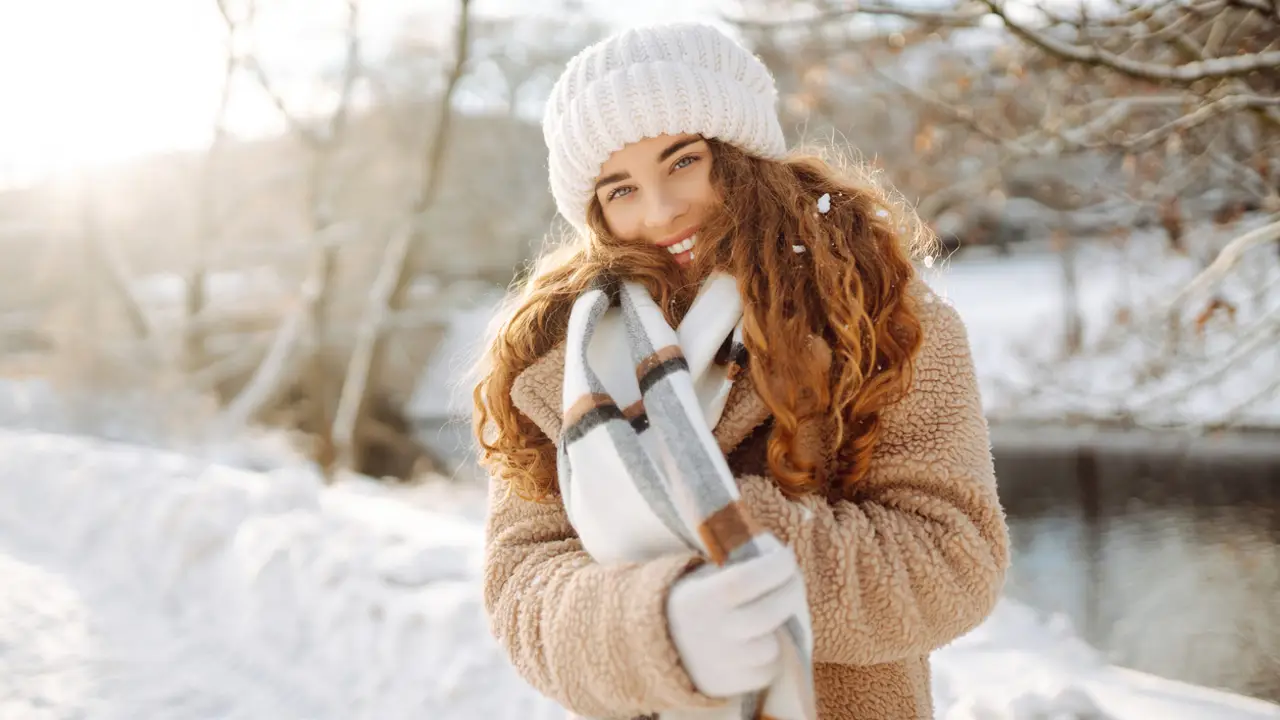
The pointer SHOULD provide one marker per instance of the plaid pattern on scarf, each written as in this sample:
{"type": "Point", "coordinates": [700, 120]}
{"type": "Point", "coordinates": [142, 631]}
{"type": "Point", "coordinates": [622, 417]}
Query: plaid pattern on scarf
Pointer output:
{"type": "Point", "coordinates": [639, 468]}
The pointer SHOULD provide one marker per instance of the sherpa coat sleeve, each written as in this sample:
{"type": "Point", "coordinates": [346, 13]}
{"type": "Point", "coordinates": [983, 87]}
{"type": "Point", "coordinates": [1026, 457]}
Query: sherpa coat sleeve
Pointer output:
{"type": "Point", "coordinates": [919, 556]}
{"type": "Point", "coordinates": [590, 636]}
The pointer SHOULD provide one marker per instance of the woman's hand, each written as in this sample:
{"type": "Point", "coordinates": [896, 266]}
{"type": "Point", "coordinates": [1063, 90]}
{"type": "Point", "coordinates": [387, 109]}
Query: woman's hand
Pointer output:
{"type": "Point", "coordinates": [724, 621]}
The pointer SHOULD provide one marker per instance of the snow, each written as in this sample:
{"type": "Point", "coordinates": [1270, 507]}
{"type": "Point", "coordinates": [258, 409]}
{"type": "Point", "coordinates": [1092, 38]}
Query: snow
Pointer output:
{"type": "Point", "coordinates": [1012, 308]}
{"type": "Point", "coordinates": [352, 605]}
{"type": "Point", "coordinates": [440, 392]}
{"type": "Point", "coordinates": [145, 583]}
{"type": "Point", "coordinates": [71, 646]}
{"type": "Point", "coordinates": [1019, 665]}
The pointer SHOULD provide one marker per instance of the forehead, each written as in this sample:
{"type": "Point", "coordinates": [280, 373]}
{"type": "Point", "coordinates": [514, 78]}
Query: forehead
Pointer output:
{"type": "Point", "coordinates": [641, 153]}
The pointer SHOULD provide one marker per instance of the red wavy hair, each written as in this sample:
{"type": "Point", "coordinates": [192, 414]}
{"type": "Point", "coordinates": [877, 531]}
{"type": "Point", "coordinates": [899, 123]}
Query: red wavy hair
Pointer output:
{"type": "Point", "coordinates": [847, 287]}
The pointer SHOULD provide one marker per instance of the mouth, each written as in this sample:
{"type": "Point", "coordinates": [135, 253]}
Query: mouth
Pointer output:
{"type": "Point", "coordinates": [681, 247]}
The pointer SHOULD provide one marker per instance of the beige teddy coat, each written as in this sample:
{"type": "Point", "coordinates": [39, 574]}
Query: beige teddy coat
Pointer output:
{"type": "Point", "coordinates": [915, 560]}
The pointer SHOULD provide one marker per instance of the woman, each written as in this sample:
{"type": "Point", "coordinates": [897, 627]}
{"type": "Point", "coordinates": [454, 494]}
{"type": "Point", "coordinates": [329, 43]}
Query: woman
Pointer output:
{"type": "Point", "coordinates": [740, 467]}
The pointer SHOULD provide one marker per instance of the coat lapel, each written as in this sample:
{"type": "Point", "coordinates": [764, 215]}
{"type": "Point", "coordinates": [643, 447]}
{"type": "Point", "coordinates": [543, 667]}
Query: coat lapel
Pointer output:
{"type": "Point", "coordinates": [537, 391]}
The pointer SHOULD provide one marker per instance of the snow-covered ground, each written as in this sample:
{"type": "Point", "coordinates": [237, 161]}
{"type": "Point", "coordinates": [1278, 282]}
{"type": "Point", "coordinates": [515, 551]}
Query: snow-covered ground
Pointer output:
{"type": "Point", "coordinates": [141, 583]}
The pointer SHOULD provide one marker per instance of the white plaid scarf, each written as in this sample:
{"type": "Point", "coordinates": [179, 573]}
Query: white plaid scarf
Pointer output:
{"type": "Point", "coordinates": [640, 471]}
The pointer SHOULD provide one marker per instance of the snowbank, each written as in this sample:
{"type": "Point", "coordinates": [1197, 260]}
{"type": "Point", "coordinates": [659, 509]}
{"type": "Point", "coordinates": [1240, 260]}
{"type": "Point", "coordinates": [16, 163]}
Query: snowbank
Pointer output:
{"type": "Point", "coordinates": [370, 608]}
{"type": "Point", "coordinates": [363, 605]}
{"type": "Point", "coordinates": [1019, 665]}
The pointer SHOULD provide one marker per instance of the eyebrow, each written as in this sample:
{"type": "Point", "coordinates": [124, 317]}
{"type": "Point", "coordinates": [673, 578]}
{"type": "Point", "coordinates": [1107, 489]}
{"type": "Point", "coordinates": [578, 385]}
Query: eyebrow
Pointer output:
{"type": "Point", "coordinates": [672, 149]}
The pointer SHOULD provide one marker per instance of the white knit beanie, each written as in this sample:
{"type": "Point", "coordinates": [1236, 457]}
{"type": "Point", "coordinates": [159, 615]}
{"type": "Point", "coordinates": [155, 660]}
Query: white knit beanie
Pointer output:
{"type": "Point", "coordinates": [650, 81]}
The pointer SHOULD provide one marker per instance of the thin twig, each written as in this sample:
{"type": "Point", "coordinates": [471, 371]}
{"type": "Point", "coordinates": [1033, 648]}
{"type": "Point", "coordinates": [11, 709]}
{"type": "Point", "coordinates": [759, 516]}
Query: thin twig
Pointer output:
{"type": "Point", "coordinates": [1218, 67]}
{"type": "Point", "coordinates": [962, 18]}
{"type": "Point", "coordinates": [1201, 115]}
{"type": "Point", "coordinates": [1227, 259]}
{"type": "Point", "coordinates": [962, 115]}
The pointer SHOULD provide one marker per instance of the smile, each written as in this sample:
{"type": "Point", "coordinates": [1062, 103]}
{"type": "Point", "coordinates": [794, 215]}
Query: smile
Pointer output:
{"type": "Point", "coordinates": [684, 245]}
{"type": "Point", "coordinates": [681, 246]}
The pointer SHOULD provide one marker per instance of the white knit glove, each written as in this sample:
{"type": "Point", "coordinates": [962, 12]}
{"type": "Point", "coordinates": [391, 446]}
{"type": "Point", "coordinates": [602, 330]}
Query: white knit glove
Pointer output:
{"type": "Point", "coordinates": [725, 621]}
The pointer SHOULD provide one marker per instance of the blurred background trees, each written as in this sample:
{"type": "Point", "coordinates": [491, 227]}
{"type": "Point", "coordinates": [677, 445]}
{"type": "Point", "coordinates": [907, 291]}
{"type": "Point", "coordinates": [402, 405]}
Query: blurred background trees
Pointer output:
{"type": "Point", "coordinates": [304, 278]}
{"type": "Point", "coordinates": [299, 279]}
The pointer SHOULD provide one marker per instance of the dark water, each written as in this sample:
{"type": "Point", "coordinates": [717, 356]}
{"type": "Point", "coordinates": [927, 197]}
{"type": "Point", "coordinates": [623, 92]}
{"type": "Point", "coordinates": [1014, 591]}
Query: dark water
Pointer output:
{"type": "Point", "coordinates": [1163, 551]}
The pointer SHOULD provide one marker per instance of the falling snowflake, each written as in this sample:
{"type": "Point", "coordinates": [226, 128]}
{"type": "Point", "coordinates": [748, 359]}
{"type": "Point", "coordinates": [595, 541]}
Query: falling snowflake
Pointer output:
{"type": "Point", "coordinates": [797, 249]}
{"type": "Point", "coordinates": [928, 261]}
{"type": "Point", "coordinates": [824, 203]}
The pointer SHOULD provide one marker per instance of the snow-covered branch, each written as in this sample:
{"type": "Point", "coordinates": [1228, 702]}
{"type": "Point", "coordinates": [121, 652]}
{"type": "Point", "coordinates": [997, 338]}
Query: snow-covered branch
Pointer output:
{"type": "Point", "coordinates": [948, 18]}
{"type": "Point", "coordinates": [1201, 115]}
{"type": "Point", "coordinates": [1227, 259]}
{"type": "Point", "coordinates": [1209, 68]}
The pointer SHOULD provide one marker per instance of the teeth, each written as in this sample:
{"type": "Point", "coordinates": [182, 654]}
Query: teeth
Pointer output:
{"type": "Point", "coordinates": [684, 246]}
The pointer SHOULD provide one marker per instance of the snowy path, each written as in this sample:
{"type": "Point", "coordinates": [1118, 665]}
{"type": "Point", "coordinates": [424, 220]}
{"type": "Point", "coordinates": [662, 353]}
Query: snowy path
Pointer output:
{"type": "Point", "coordinates": [72, 646]}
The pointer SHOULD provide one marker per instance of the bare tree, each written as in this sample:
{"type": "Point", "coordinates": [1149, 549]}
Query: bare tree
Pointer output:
{"type": "Point", "coordinates": [1198, 74]}
{"type": "Point", "coordinates": [304, 326]}
{"type": "Point", "coordinates": [387, 294]}
{"type": "Point", "coordinates": [208, 208]}
{"type": "Point", "coordinates": [1112, 116]}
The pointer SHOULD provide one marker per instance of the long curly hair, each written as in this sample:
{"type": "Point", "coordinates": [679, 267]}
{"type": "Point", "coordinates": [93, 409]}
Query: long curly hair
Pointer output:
{"type": "Point", "coordinates": [846, 286]}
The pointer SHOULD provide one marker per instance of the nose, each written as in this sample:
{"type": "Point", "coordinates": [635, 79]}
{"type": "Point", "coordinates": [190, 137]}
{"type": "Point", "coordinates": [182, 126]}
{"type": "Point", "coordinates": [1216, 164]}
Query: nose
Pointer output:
{"type": "Point", "coordinates": [663, 208]}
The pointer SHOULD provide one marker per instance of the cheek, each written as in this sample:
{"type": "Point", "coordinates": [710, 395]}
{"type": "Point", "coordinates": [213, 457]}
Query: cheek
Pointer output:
{"type": "Point", "coordinates": [702, 192]}
{"type": "Point", "coordinates": [623, 219]}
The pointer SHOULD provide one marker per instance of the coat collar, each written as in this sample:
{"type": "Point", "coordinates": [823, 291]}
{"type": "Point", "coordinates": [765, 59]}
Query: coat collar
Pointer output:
{"type": "Point", "coordinates": [537, 391]}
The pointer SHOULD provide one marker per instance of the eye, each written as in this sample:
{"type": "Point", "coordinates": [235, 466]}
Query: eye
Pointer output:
{"type": "Point", "coordinates": [682, 164]}
{"type": "Point", "coordinates": [618, 192]}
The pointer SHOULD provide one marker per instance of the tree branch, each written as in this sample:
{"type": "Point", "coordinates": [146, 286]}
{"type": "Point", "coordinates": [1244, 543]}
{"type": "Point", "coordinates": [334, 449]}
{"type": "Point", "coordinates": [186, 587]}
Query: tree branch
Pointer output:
{"type": "Point", "coordinates": [960, 18]}
{"type": "Point", "coordinates": [962, 115]}
{"type": "Point", "coordinates": [1209, 68]}
{"type": "Point", "coordinates": [1227, 259]}
{"type": "Point", "coordinates": [393, 275]}
{"type": "Point", "coordinates": [283, 359]}
{"type": "Point", "coordinates": [208, 217]}
{"type": "Point", "coordinates": [250, 63]}
{"type": "Point", "coordinates": [351, 73]}
{"type": "Point", "coordinates": [265, 383]}
{"type": "Point", "coordinates": [1202, 115]}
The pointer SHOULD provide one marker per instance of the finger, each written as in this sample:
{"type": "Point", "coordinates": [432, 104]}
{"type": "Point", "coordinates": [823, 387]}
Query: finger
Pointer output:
{"type": "Point", "coordinates": [767, 613]}
{"type": "Point", "coordinates": [746, 581]}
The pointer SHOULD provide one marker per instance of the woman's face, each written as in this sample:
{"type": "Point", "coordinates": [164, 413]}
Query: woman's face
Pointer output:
{"type": "Point", "coordinates": [658, 190]}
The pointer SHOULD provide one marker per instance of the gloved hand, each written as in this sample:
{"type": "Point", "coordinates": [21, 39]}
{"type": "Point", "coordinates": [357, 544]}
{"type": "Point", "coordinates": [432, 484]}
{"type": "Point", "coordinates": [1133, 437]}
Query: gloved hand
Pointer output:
{"type": "Point", "coordinates": [724, 621]}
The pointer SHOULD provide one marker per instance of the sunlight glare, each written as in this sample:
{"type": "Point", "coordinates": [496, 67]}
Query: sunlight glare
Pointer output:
{"type": "Point", "coordinates": [85, 82]}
